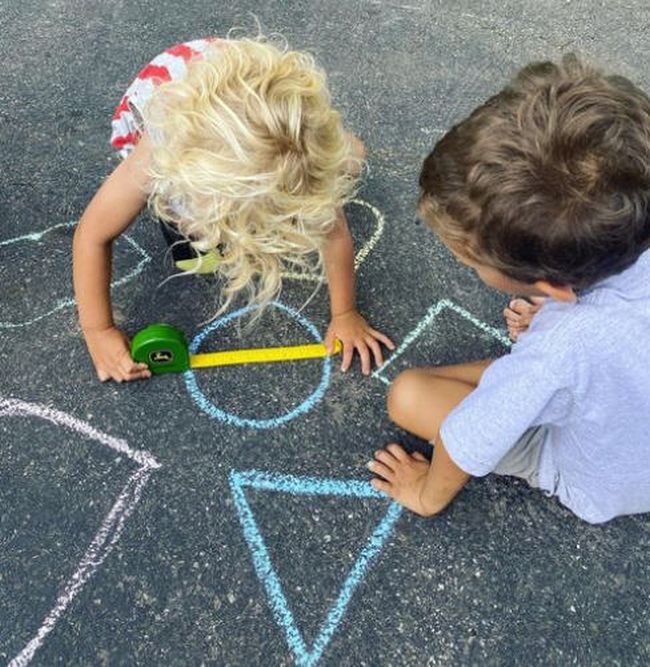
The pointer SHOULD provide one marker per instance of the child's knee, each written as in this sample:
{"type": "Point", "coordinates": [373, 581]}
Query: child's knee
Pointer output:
{"type": "Point", "coordinates": [402, 395]}
{"type": "Point", "coordinates": [359, 149]}
{"type": "Point", "coordinates": [357, 157]}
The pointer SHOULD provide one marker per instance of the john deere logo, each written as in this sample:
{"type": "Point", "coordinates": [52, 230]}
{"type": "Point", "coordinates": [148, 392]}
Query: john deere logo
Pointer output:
{"type": "Point", "coordinates": [161, 356]}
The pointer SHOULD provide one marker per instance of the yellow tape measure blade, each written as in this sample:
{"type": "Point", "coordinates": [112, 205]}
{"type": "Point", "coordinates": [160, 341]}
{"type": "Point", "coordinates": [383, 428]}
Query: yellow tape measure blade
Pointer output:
{"type": "Point", "coordinates": [261, 355]}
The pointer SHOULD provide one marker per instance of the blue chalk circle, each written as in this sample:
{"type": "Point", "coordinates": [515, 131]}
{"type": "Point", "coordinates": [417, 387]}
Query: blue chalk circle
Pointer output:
{"type": "Point", "coordinates": [215, 412]}
{"type": "Point", "coordinates": [311, 486]}
{"type": "Point", "coordinates": [60, 304]}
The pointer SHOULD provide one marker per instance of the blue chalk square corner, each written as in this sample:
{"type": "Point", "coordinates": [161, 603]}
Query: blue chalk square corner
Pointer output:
{"type": "Point", "coordinates": [427, 344]}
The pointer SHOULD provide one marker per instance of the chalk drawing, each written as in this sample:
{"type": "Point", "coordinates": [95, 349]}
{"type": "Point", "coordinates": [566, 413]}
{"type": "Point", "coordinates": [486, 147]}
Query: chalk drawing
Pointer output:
{"type": "Point", "coordinates": [310, 486]}
{"type": "Point", "coordinates": [364, 251]}
{"type": "Point", "coordinates": [111, 527]}
{"type": "Point", "coordinates": [235, 420]}
{"type": "Point", "coordinates": [426, 321]}
{"type": "Point", "coordinates": [60, 304]}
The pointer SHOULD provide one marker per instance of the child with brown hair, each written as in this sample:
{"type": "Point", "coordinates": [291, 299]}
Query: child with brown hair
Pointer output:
{"type": "Point", "coordinates": [545, 192]}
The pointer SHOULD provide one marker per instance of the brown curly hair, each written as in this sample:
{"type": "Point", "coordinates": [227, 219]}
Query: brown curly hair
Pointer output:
{"type": "Point", "coordinates": [549, 179]}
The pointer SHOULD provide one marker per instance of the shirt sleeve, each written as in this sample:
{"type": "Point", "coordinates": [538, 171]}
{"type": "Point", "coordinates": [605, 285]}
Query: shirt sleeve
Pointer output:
{"type": "Point", "coordinates": [528, 387]}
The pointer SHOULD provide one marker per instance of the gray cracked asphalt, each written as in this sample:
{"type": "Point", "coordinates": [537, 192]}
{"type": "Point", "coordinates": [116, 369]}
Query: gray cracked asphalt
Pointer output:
{"type": "Point", "coordinates": [504, 577]}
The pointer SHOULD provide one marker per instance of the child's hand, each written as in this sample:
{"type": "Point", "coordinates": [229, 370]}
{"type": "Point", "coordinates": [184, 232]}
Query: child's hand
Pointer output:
{"type": "Point", "coordinates": [111, 354]}
{"type": "Point", "coordinates": [519, 314]}
{"type": "Point", "coordinates": [402, 476]}
{"type": "Point", "coordinates": [354, 332]}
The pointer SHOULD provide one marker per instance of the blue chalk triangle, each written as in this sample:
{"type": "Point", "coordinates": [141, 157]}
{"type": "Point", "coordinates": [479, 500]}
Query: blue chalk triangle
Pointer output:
{"type": "Point", "coordinates": [313, 486]}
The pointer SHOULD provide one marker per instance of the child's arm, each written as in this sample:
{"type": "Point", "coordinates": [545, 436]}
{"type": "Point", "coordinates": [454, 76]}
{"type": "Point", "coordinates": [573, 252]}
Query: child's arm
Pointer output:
{"type": "Point", "coordinates": [347, 324]}
{"type": "Point", "coordinates": [113, 208]}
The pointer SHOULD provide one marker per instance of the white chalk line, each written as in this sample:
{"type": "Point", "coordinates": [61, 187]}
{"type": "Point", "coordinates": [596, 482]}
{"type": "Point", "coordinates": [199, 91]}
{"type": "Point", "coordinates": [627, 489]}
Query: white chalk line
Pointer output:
{"type": "Point", "coordinates": [111, 527]}
{"type": "Point", "coordinates": [36, 236]}
{"type": "Point", "coordinates": [13, 407]}
{"type": "Point", "coordinates": [70, 301]}
{"type": "Point", "coordinates": [364, 251]}
{"type": "Point", "coordinates": [433, 312]}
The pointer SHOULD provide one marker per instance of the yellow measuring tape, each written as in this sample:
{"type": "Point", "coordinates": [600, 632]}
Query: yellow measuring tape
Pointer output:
{"type": "Point", "coordinates": [261, 355]}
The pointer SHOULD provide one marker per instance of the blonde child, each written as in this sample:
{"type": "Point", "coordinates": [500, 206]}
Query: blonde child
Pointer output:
{"type": "Point", "coordinates": [236, 148]}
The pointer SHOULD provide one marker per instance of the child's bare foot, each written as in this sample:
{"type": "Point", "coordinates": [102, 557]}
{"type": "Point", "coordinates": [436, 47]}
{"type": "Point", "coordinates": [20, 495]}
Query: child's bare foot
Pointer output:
{"type": "Point", "coordinates": [519, 314]}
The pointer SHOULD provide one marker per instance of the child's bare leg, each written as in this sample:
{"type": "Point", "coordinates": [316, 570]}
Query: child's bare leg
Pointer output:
{"type": "Point", "coordinates": [420, 399]}
{"type": "Point", "coordinates": [469, 372]}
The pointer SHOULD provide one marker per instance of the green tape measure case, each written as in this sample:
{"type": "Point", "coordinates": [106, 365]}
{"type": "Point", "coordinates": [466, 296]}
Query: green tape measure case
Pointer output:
{"type": "Point", "coordinates": [162, 347]}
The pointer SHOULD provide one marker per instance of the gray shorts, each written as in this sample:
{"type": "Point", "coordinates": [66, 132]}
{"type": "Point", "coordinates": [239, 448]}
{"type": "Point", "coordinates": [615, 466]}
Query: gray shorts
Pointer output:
{"type": "Point", "coordinates": [523, 459]}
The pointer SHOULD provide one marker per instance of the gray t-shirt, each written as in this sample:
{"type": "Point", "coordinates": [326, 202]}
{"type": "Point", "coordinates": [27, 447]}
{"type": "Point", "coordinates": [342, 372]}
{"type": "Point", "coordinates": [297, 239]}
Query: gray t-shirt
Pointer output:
{"type": "Point", "coordinates": [583, 370]}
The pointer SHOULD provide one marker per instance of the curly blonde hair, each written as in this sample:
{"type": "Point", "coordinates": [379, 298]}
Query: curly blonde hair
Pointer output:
{"type": "Point", "coordinates": [250, 158]}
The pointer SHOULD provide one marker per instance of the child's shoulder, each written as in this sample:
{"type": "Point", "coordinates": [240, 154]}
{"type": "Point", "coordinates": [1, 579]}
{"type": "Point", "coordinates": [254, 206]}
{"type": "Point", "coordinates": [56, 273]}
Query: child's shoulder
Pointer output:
{"type": "Point", "coordinates": [170, 65]}
{"type": "Point", "coordinates": [605, 324]}
{"type": "Point", "coordinates": [554, 325]}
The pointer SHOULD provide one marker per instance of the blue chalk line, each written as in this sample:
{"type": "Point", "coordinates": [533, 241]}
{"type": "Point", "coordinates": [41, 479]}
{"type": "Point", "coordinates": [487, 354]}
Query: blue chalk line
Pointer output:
{"type": "Point", "coordinates": [60, 304]}
{"type": "Point", "coordinates": [306, 486]}
{"type": "Point", "coordinates": [239, 480]}
{"type": "Point", "coordinates": [235, 420]}
{"type": "Point", "coordinates": [426, 321]}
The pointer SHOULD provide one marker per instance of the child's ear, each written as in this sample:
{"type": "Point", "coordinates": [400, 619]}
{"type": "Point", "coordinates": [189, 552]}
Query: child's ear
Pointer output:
{"type": "Point", "coordinates": [563, 293]}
